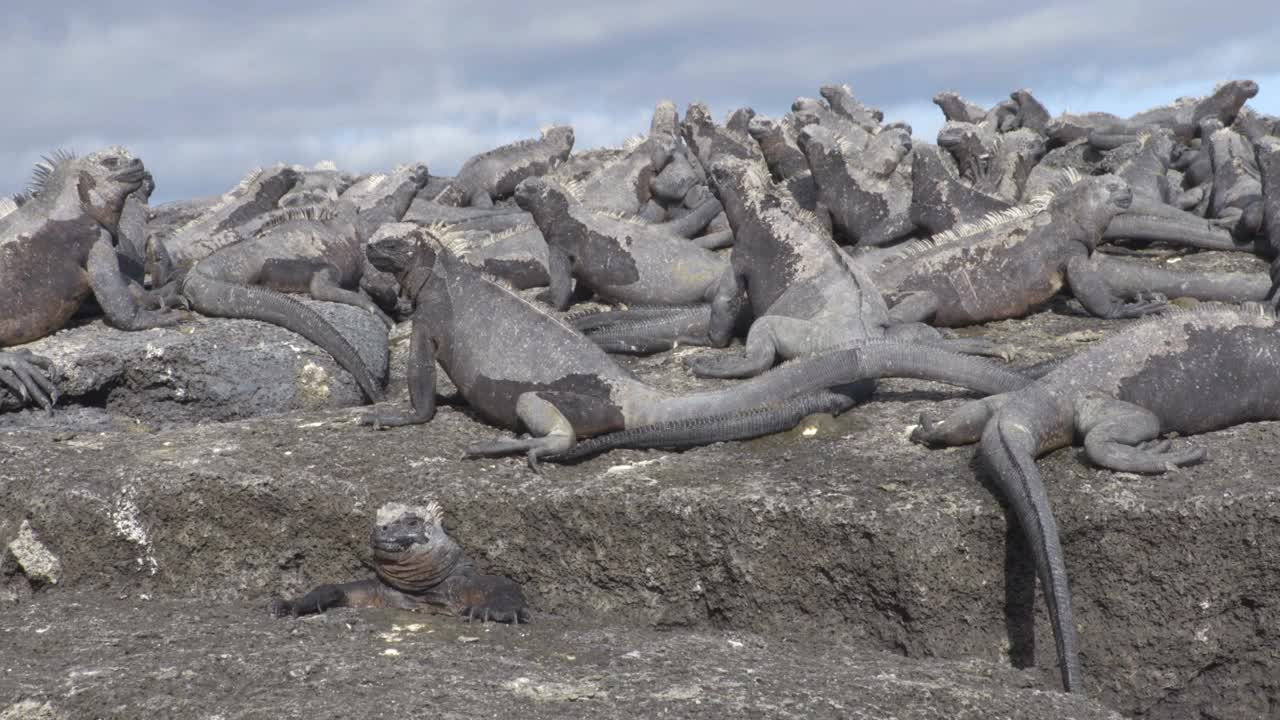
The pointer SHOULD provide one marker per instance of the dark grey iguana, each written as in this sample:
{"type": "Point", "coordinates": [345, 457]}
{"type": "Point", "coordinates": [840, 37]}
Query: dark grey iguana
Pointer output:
{"type": "Point", "coordinates": [625, 186]}
{"type": "Point", "coordinates": [1012, 261]}
{"type": "Point", "coordinates": [999, 164]}
{"type": "Point", "coordinates": [317, 250]}
{"type": "Point", "coordinates": [842, 101]}
{"type": "Point", "coordinates": [1267, 151]}
{"type": "Point", "coordinates": [237, 215]}
{"type": "Point", "coordinates": [709, 140]}
{"type": "Point", "coordinates": [956, 109]}
{"type": "Point", "coordinates": [939, 200]}
{"type": "Point", "coordinates": [419, 567]}
{"type": "Point", "coordinates": [1186, 372]}
{"type": "Point", "coordinates": [56, 250]}
{"type": "Point", "coordinates": [1236, 200]}
{"type": "Point", "coordinates": [319, 185]}
{"type": "Point", "coordinates": [620, 260]}
{"type": "Point", "coordinates": [494, 174]}
{"type": "Point", "coordinates": [867, 192]}
{"type": "Point", "coordinates": [1183, 117]}
{"type": "Point", "coordinates": [521, 368]}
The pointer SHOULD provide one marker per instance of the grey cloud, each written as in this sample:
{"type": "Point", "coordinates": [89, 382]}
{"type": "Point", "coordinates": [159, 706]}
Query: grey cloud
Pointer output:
{"type": "Point", "coordinates": [204, 93]}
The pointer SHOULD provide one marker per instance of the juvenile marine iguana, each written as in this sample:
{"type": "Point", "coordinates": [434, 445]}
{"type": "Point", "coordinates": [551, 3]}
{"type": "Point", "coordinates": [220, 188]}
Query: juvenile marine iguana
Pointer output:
{"type": "Point", "coordinates": [494, 174]}
{"type": "Point", "coordinates": [519, 367]}
{"type": "Point", "coordinates": [620, 260]}
{"type": "Point", "coordinates": [1190, 371]}
{"type": "Point", "coordinates": [419, 567]}
{"type": "Point", "coordinates": [56, 250]}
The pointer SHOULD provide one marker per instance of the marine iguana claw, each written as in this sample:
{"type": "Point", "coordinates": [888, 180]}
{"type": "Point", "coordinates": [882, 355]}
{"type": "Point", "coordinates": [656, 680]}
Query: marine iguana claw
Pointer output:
{"type": "Point", "coordinates": [25, 373]}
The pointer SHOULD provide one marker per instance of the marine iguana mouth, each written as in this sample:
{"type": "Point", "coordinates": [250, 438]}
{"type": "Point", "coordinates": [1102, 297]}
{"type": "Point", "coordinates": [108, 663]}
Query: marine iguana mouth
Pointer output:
{"type": "Point", "coordinates": [134, 172]}
{"type": "Point", "coordinates": [1122, 197]}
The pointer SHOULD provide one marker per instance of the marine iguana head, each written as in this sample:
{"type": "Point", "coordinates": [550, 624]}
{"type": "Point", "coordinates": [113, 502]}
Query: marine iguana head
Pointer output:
{"type": "Point", "coordinates": [1090, 204]}
{"type": "Point", "coordinates": [542, 197]}
{"type": "Point", "coordinates": [1226, 101]}
{"type": "Point", "coordinates": [407, 251]}
{"type": "Point", "coordinates": [411, 551]}
{"type": "Point", "coordinates": [561, 138]}
{"type": "Point", "coordinates": [101, 181]}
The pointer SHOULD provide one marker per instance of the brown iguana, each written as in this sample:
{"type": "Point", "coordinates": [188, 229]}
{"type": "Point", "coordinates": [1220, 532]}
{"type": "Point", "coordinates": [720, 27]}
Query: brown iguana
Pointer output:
{"type": "Point", "coordinates": [56, 250]}
{"type": "Point", "coordinates": [419, 567]}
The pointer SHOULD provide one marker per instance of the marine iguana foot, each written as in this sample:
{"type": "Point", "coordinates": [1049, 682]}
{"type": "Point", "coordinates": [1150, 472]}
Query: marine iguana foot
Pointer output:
{"type": "Point", "coordinates": [280, 608]}
{"type": "Point", "coordinates": [1142, 304]}
{"type": "Point", "coordinates": [489, 598]}
{"type": "Point", "coordinates": [1151, 457]}
{"type": "Point", "coordinates": [384, 418]}
{"type": "Point", "coordinates": [25, 373]}
{"type": "Point", "coordinates": [964, 426]}
{"type": "Point", "coordinates": [726, 367]}
{"type": "Point", "coordinates": [533, 448]}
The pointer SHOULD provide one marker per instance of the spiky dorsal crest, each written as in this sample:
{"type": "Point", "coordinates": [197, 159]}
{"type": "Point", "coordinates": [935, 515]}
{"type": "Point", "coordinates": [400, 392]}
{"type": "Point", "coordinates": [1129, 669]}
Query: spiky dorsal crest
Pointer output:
{"type": "Point", "coordinates": [317, 213]}
{"type": "Point", "coordinates": [325, 166]}
{"type": "Point", "coordinates": [454, 241]}
{"type": "Point", "coordinates": [573, 187]}
{"type": "Point", "coordinates": [392, 511]}
{"type": "Point", "coordinates": [44, 170]}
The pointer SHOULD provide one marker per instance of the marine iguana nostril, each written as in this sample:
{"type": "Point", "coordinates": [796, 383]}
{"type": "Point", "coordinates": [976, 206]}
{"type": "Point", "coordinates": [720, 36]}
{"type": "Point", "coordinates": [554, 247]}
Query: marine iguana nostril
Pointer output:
{"type": "Point", "coordinates": [56, 249]}
{"type": "Point", "coordinates": [419, 567]}
{"type": "Point", "coordinates": [1187, 371]}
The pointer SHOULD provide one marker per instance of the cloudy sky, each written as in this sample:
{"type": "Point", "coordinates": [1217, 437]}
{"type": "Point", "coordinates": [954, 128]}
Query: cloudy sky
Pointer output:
{"type": "Point", "coordinates": [204, 95]}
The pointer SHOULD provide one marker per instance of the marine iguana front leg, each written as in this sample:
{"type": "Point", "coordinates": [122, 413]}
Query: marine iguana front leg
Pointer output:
{"type": "Point", "coordinates": [486, 598]}
{"type": "Point", "coordinates": [324, 286]}
{"type": "Point", "coordinates": [551, 433]}
{"type": "Point", "coordinates": [111, 290]}
{"type": "Point", "coordinates": [1090, 287]}
{"type": "Point", "coordinates": [421, 375]}
{"type": "Point", "coordinates": [371, 593]}
{"type": "Point", "coordinates": [23, 372]}
{"type": "Point", "coordinates": [559, 292]}
{"type": "Point", "coordinates": [1122, 436]}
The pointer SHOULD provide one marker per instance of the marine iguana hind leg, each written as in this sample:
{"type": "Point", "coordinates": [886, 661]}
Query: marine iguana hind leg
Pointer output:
{"type": "Point", "coordinates": [963, 426]}
{"type": "Point", "coordinates": [371, 593]}
{"type": "Point", "coordinates": [552, 433]}
{"type": "Point", "coordinates": [1122, 436]}
{"type": "Point", "coordinates": [559, 292]}
{"type": "Point", "coordinates": [23, 372]}
{"type": "Point", "coordinates": [765, 341]}
{"type": "Point", "coordinates": [715, 241]}
{"type": "Point", "coordinates": [111, 290]}
{"type": "Point", "coordinates": [483, 598]}
{"type": "Point", "coordinates": [913, 307]}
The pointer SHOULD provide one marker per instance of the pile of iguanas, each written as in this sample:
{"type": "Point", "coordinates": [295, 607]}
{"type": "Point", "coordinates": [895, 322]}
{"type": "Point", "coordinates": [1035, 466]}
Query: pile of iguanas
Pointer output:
{"type": "Point", "coordinates": [836, 246]}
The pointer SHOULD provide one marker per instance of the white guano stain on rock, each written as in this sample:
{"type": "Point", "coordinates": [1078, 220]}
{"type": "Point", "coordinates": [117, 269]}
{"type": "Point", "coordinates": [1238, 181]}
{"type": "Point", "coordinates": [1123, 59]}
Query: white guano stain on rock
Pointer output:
{"type": "Point", "coordinates": [125, 519]}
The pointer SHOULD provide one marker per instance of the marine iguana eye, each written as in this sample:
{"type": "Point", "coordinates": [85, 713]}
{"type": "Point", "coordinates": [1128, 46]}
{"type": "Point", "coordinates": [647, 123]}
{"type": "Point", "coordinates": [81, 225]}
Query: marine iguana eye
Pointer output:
{"type": "Point", "coordinates": [110, 162]}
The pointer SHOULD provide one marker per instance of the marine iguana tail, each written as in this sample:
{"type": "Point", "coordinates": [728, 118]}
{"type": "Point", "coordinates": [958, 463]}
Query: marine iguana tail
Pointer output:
{"type": "Point", "coordinates": [219, 298]}
{"type": "Point", "coordinates": [419, 567]}
{"type": "Point", "coordinates": [520, 367]}
{"type": "Point", "coordinates": [1186, 371]}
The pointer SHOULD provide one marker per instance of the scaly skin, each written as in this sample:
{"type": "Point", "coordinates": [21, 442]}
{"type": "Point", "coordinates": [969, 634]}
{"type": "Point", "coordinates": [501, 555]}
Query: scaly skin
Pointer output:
{"type": "Point", "coordinates": [521, 368]}
{"type": "Point", "coordinates": [56, 249]}
{"type": "Point", "coordinates": [419, 567]}
{"type": "Point", "coordinates": [1188, 372]}
{"type": "Point", "coordinates": [495, 174]}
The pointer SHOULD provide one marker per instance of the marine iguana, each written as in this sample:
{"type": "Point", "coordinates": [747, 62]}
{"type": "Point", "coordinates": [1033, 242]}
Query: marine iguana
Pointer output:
{"type": "Point", "coordinates": [494, 174]}
{"type": "Point", "coordinates": [418, 567]}
{"type": "Point", "coordinates": [939, 200]}
{"type": "Point", "coordinates": [236, 215]}
{"type": "Point", "coordinates": [316, 250]}
{"type": "Point", "coordinates": [319, 185]}
{"type": "Point", "coordinates": [520, 367]}
{"type": "Point", "coordinates": [1183, 117]}
{"type": "Point", "coordinates": [625, 186]}
{"type": "Point", "coordinates": [868, 198]}
{"type": "Point", "coordinates": [956, 109]}
{"type": "Point", "coordinates": [1012, 261]}
{"type": "Point", "coordinates": [620, 260]}
{"type": "Point", "coordinates": [56, 250]}
{"type": "Point", "coordinates": [131, 232]}
{"type": "Point", "coordinates": [1189, 371]}
{"type": "Point", "coordinates": [995, 163]}
{"type": "Point", "coordinates": [842, 101]}
{"type": "Point", "coordinates": [805, 295]}
{"type": "Point", "coordinates": [1267, 150]}
{"type": "Point", "coordinates": [1236, 200]}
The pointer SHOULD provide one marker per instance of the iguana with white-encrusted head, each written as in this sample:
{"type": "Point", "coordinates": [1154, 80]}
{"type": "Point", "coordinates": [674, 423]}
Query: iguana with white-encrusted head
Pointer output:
{"type": "Point", "coordinates": [419, 567]}
{"type": "Point", "coordinates": [495, 173]}
{"type": "Point", "coordinates": [56, 250]}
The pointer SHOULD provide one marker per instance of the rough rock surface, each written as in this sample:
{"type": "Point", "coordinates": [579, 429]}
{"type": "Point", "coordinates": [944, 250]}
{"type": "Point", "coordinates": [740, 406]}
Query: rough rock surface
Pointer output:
{"type": "Point", "coordinates": [201, 369]}
{"type": "Point", "coordinates": [841, 529]}
{"type": "Point", "coordinates": [131, 658]}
